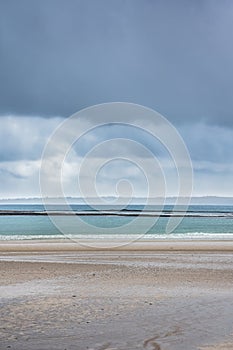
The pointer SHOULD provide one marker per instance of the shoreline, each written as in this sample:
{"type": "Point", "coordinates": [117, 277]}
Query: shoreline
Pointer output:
{"type": "Point", "coordinates": [67, 245]}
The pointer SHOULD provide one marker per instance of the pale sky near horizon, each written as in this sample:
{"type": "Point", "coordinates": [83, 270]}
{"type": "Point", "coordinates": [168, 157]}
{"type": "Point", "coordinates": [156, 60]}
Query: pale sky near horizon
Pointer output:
{"type": "Point", "coordinates": [57, 57]}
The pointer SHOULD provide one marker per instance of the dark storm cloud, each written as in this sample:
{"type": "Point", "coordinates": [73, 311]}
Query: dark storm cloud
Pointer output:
{"type": "Point", "coordinates": [57, 57]}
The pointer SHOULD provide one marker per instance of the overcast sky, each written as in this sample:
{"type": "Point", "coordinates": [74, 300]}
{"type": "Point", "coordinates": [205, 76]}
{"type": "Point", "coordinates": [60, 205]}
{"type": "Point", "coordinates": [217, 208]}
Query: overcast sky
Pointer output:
{"type": "Point", "coordinates": [57, 57]}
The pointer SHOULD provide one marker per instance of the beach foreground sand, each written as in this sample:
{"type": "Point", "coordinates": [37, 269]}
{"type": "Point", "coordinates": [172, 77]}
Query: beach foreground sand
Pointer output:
{"type": "Point", "coordinates": [123, 299]}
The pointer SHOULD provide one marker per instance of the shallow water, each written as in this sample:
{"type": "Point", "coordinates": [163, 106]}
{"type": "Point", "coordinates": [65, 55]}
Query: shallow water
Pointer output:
{"type": "Point", "coordinates": [211, 222]}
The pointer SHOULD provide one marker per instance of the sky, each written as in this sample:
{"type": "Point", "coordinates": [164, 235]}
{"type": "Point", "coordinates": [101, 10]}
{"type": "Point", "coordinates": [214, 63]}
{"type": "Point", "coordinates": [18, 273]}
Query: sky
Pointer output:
{"type": "Point", "coordinates": [58, 57]}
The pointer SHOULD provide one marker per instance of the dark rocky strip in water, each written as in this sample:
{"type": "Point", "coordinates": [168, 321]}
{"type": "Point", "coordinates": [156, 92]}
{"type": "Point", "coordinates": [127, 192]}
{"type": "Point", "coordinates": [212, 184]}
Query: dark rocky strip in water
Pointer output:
{"type": "Point", "coordinates": [116, 213]}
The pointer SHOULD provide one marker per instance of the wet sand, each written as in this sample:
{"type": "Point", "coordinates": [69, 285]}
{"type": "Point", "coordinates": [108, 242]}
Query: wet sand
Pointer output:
{"type": "Point", "coordinates": [116, 299]}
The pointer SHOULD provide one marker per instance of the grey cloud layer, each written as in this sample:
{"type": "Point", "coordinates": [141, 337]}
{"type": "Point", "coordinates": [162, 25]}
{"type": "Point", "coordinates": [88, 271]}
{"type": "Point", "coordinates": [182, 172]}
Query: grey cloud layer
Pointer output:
{"type": "Point", "coordinates": [23, 139]}
{"type": "Point", "coordinates": [60, 56]}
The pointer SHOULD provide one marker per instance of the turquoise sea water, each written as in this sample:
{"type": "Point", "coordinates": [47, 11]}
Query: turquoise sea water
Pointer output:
{"type": "Point", "coordinates": [201, 221]}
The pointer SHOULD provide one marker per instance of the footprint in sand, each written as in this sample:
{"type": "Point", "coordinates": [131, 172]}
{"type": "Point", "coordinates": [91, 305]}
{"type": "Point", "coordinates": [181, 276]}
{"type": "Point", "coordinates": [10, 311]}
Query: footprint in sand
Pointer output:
{"type": "Point", "coordinates": [152, 343]}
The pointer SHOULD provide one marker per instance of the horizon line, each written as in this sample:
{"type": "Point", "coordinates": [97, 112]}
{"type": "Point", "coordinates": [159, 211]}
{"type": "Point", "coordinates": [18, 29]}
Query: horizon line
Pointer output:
{"type": "Point", "coordinates": [116, 197]}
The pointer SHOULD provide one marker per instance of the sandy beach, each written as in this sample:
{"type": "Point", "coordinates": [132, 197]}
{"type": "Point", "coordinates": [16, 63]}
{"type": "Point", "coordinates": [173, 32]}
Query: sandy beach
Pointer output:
{"type": "Point", "coordinates": [171, 296]}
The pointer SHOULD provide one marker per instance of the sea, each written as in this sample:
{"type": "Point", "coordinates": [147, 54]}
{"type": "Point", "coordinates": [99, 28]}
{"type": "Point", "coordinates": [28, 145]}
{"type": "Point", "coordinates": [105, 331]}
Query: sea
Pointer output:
{"type": "Point", "coordinates": [34, 222]}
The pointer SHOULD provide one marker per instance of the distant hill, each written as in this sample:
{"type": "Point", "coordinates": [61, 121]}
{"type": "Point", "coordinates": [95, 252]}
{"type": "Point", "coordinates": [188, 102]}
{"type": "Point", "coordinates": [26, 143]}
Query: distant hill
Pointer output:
{"type": "Point", "coordinates": [215, 200]}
